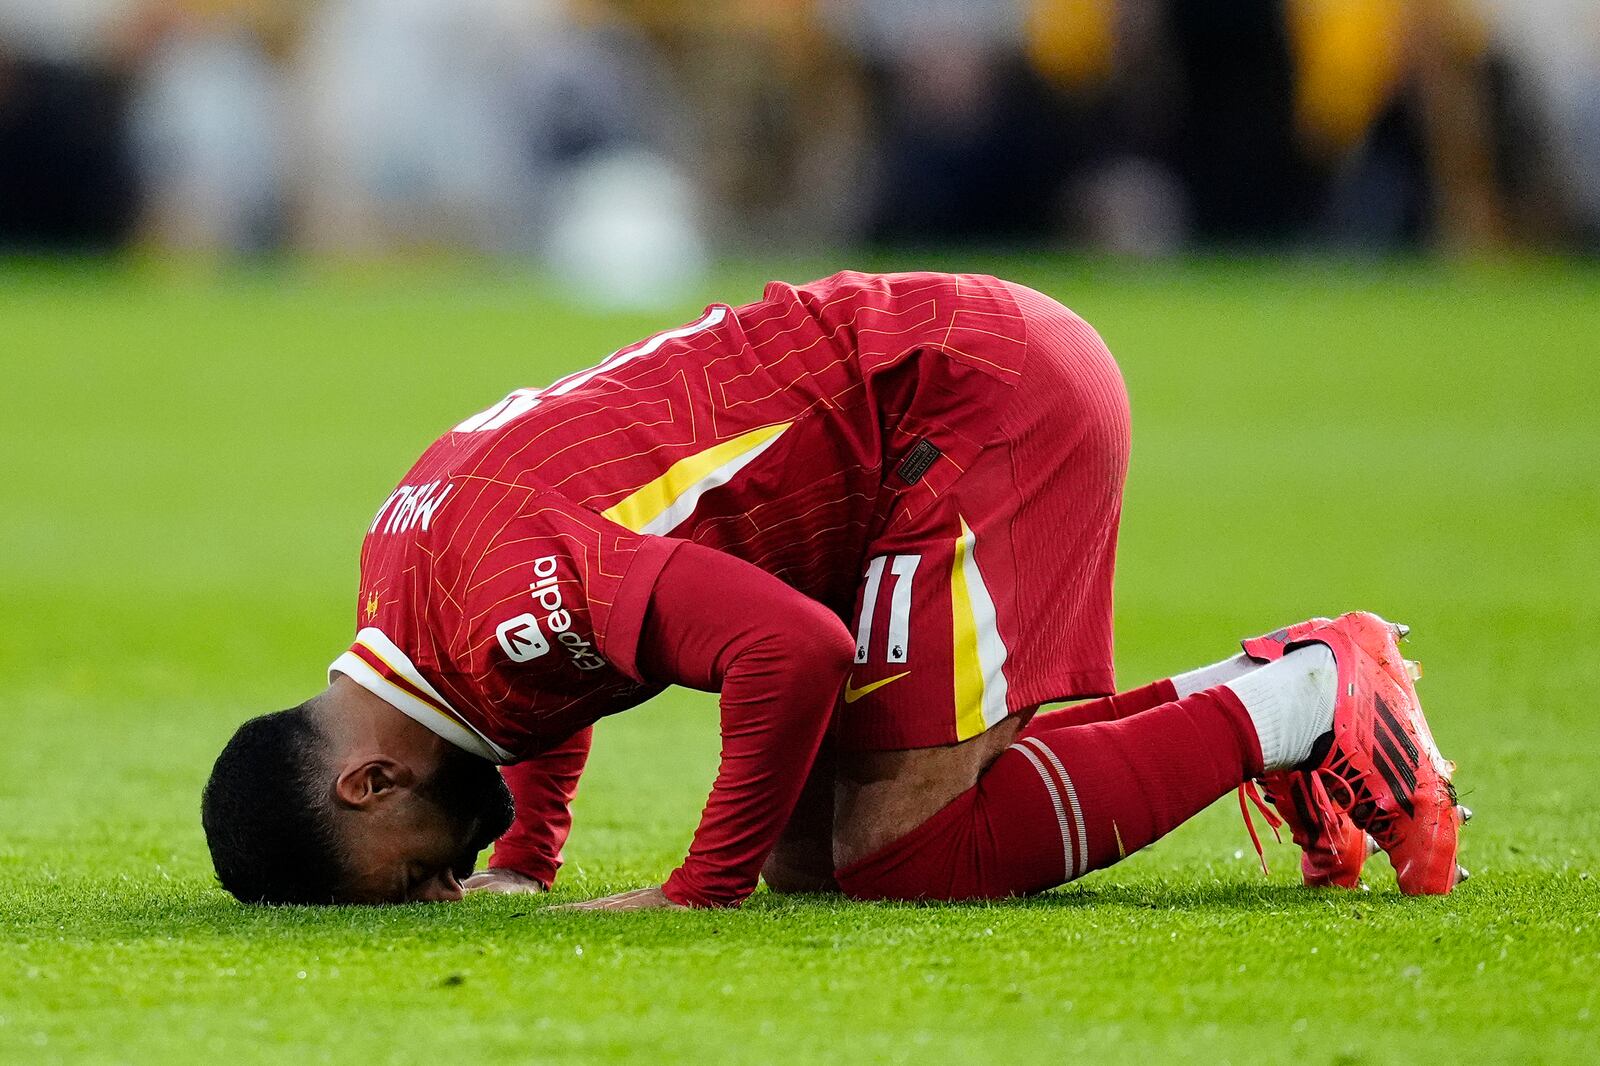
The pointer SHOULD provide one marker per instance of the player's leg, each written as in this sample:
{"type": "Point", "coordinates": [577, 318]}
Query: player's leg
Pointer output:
{"type": "Point", "coordinates": [1332, 850]}
{"type": "Point", "coordinates": [1059, 803]}
{"type": "Point", "coordinates": [1145, 697]}
{"type": "Point", "coordinates": [803, 859]}
{"type": "Point", "coordinates": [881, 794]}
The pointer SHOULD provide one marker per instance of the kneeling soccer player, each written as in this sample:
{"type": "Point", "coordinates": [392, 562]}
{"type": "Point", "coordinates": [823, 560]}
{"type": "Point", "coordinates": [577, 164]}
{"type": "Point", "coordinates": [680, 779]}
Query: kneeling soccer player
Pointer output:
{"type": "Point", "coordinates": [879, 515]}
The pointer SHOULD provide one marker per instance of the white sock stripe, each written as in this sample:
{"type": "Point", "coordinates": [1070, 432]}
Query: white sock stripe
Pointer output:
{"type": "Point", "coordinates": [1055, 801]}
{"type": "Point", "coordinates": [1072, 799]}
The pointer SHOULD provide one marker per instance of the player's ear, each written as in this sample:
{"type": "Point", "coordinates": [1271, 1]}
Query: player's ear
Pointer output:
{"type": "Point", "coordinates": [372, 779]}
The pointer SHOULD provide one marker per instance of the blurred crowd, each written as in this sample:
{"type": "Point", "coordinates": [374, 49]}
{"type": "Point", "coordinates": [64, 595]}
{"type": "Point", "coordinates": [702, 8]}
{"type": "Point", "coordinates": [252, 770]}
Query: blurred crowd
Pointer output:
{"type": "Point", "coordinates": [608, 135]}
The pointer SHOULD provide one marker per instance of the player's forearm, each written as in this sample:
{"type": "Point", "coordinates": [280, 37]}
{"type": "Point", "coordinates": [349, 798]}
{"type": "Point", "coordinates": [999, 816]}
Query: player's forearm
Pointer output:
{"type": "Point", "coordinates": [775, 709]}
{"type": "Point", "coordinates": [543, 789]}
{"type": "Point", "coordinates": [779, 660]}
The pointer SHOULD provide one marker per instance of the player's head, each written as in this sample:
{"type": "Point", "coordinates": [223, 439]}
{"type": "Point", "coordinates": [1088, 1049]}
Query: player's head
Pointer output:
{"type": "Point", "coordinates": [299, 810]}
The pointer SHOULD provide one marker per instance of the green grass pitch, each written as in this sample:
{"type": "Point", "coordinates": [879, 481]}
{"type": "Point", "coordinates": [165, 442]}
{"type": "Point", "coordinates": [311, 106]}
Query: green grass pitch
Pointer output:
{"type": "Point", "coordinates": [186, 468]}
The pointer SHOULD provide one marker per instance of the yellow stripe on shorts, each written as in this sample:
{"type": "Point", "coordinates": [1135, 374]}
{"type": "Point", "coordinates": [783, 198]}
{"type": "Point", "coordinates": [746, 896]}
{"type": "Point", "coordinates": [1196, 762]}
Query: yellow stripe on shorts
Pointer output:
{"type": "Point", "coordinates": [980, 654]}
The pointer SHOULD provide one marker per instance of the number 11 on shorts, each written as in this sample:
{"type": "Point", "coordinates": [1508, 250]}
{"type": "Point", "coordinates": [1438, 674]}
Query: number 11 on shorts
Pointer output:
{"type": "Point", "coordinates": [897, 644]}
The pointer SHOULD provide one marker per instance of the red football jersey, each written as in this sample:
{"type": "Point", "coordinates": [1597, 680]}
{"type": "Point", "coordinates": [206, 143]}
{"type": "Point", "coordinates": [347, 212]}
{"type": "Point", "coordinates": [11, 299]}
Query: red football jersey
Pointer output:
{"type": "Point", "coordinates": [504, 583]}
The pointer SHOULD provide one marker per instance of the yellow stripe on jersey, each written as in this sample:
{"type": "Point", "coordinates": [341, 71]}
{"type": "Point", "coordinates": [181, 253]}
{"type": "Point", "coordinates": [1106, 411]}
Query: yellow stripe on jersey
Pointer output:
{"type": "Point", "coordinates": [665, 502]}
{"type": "Point", "coordinates": [979, 653]}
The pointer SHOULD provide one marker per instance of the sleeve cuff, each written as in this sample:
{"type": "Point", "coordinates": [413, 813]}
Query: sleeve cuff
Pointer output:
{"type": "Point", "coordinates": [680, 893]}
{"type": "Point", "coordinates": [625, 621]}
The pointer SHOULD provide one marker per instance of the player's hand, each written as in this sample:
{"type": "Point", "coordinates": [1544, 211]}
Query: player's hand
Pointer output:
{"type": "Point", "coordinates": [506, 882]}
{"type": "Point", "coordinates": [638, 899]}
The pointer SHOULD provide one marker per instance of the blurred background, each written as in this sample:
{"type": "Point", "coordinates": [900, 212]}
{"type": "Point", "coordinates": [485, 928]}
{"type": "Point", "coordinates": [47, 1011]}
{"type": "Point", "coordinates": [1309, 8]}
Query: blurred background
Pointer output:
{"type": "Point", "coordinates": [626, 143]}
{"type": "Point", "coordinates": [1308, 226]}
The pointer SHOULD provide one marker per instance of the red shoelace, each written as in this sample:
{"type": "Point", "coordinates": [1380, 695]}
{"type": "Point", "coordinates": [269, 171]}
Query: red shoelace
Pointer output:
{"type": "Point", "coordinates": [1249, 791]}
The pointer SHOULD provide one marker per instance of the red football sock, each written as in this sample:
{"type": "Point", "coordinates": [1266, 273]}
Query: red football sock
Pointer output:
{"type": "Point", "coordinates": [1061, 802]}
{"type": "Point", "coordinates": [1106, 709]}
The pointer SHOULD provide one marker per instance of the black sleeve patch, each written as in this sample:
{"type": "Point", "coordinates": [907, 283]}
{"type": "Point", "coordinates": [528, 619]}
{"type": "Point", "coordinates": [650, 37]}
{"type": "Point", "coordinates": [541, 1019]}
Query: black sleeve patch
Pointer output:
{"type": "Point", "coordinates": [922, 455]}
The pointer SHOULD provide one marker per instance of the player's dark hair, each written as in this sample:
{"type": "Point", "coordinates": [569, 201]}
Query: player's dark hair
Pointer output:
{"type": "Point", "coordinates": [268, 816]}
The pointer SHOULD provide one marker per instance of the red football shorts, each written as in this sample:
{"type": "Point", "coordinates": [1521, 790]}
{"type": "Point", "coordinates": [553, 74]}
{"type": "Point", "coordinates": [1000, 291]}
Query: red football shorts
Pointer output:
{"type": "Point", "coordinates": [996, 598]}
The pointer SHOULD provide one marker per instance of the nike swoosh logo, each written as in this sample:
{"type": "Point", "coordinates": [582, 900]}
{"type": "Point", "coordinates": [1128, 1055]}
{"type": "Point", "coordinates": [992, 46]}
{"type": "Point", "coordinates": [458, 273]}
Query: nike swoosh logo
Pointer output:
{"type": "Point", "coordinates": [853, 694]}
